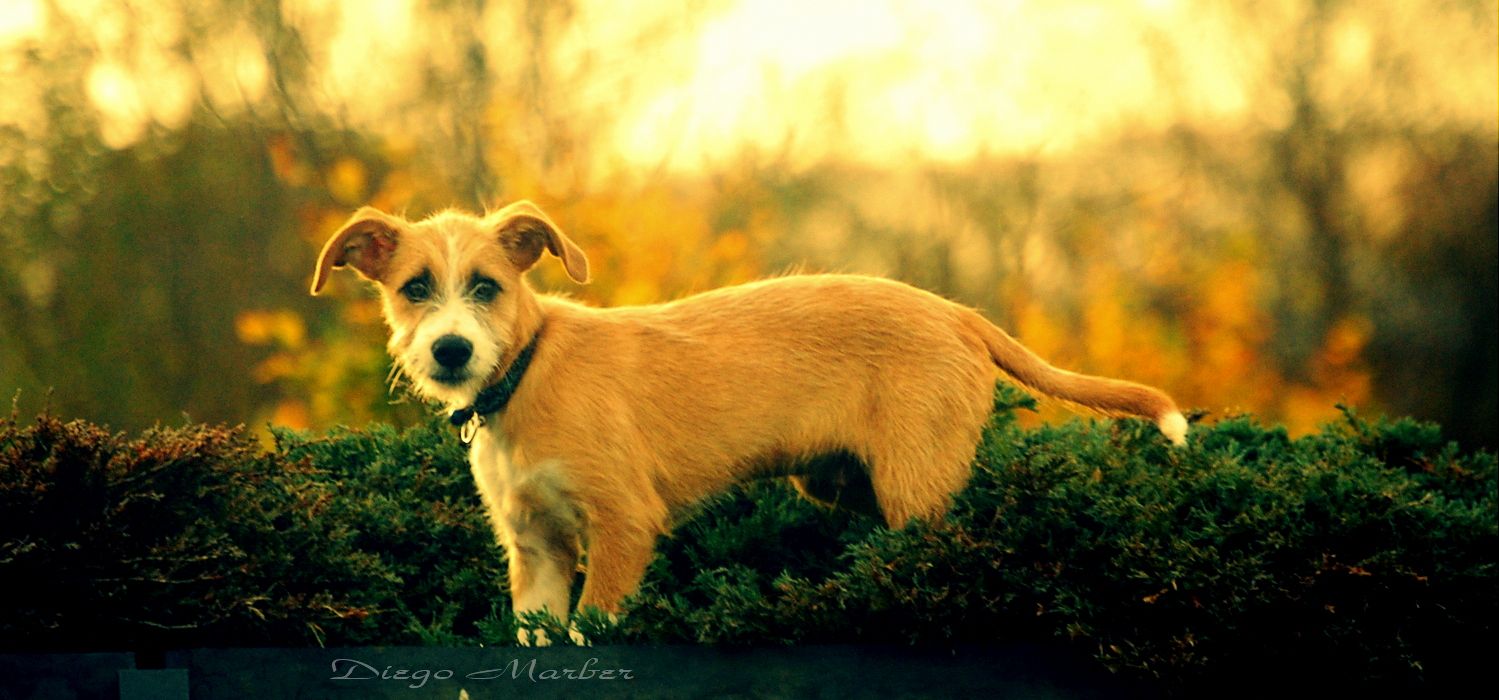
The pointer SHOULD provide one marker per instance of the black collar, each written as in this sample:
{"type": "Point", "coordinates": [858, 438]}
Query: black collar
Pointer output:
{"type": "Point", "coordinates": [492, 399]}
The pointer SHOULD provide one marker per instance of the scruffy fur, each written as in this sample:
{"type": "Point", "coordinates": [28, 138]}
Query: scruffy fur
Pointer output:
{"type": "Point", "coordinates": [627, 416]}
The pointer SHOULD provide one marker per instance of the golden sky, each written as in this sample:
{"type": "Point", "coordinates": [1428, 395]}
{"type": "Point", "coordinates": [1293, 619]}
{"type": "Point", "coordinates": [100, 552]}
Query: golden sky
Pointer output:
{"type": "Point", "coordinates": [884, 81]}
{"type": "Point", "coordinates": [686, 84]}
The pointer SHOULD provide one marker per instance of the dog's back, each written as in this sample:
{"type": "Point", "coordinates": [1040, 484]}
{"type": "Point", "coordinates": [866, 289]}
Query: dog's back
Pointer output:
{"type": "Point", "coordinates": [722, 384]}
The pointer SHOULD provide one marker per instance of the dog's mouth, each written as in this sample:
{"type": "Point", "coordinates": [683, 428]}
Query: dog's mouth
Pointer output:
{"type": "Point", "coordinates": [451, 377]}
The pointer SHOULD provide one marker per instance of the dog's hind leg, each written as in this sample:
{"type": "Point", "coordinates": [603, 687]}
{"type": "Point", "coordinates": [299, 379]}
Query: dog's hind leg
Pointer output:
{"type": "Point", "coordinates": [916, 475]}
{"type": "Point", "coordinates": [839, 481]}
{"type": "Point", "coordinates": [921, 437]}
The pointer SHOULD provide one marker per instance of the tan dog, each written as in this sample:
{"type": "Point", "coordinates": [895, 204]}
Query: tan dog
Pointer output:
{"type": "Point", "coordinates": [618, 419]}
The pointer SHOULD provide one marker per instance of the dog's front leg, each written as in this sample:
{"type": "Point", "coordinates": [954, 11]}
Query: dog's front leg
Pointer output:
{"type": "Point", "coordinates": [542, 541]}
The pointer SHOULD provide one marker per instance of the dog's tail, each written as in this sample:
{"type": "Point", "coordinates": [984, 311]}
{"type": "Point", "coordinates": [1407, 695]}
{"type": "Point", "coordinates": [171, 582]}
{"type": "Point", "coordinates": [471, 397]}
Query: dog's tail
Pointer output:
{"type": "Point", "coordinates": [1108, 396]}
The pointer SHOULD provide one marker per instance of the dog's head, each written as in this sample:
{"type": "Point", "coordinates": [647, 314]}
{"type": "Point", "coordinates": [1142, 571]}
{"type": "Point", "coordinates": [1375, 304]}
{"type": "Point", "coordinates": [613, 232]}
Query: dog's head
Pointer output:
{"type": "Point", "coordinates": [453, 288]}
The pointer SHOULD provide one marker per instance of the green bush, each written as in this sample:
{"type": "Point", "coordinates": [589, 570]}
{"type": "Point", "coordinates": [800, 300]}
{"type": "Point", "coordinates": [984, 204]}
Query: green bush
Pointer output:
{"type": "Point", "coordinates": [1365, 554]}
{"type": "Point", "coordinates": [192, 537]}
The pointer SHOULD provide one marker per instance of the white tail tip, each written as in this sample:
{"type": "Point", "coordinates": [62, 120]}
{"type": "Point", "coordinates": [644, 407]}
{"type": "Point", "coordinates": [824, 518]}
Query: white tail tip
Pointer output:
{"type": "Point", "coordinates": [1174, 426]}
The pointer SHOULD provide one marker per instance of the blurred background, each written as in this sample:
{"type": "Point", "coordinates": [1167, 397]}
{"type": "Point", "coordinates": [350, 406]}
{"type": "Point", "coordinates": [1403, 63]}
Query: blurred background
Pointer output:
{"type": "Point", "coordinates": [1260, 206]}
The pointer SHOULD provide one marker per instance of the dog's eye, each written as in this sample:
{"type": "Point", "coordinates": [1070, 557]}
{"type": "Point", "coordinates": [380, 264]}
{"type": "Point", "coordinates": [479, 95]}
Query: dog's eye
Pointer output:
{"type": "Point", "coordinates": [417, 290]}
{"type": "Point", "coordinates": [484, 290]}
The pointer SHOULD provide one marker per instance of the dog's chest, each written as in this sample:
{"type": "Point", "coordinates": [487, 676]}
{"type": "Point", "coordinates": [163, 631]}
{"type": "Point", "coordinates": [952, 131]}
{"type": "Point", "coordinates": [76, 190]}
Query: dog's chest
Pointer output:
{"type": "Point", "coordinates": [490, 460]}
{"type": "Point", "coordinates": [517, 492]}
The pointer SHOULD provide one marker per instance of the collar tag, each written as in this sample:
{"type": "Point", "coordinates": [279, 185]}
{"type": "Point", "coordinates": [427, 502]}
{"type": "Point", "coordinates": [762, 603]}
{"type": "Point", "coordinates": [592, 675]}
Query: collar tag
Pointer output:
{"type": "Point", "coordinates": [493, 398]}
{"type": "Point", "coordinates": [470, 428]}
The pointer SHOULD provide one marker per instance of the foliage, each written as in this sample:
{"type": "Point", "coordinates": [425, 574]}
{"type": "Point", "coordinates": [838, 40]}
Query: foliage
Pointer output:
{"type": "Point", "coordinates": [1365, 553]}
{"type": "Point", "coordinates": [191, 537]}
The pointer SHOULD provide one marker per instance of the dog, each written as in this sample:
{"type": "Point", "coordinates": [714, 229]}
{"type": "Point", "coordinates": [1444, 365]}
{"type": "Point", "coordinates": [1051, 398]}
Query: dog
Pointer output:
{"type": "Point", "coordinates": [589, 429]}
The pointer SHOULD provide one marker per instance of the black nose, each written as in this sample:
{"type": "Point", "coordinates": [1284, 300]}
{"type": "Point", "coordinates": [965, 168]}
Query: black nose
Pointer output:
{"type": "Point", "coordinates": [452, 351]}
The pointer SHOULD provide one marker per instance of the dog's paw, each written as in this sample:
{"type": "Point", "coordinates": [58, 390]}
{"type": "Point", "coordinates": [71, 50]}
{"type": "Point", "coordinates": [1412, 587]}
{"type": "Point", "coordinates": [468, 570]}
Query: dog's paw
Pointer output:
{"type": "Point", "coordinates": [532, 638]}
{"type": "Point", "coordinates": [539, 638]}
{"type": "Point", "coordinates": [579, 639]}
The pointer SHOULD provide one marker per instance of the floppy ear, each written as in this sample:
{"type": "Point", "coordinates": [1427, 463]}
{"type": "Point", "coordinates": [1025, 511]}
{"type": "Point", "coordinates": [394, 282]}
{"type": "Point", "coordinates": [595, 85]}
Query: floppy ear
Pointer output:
{"type": "Point", "coordinates": [364, 243]}
{"type": "Point", "coordinates": [524, 232]}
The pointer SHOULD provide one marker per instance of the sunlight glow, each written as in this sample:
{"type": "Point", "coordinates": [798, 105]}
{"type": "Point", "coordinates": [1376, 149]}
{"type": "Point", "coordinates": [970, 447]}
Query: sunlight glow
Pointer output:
{"type": "Point", "coordinates": [366, 48]}
{"type": "Point", "coordinates": [682, 86]}
{"type": "Point", "coordinates": [21, 20]}
{"type": "Point", "coordinates": [117, 97]}
{"type": "Point", "coordinates": [235, 70]}
{"type": "Point", "coordinates": [882, 81]}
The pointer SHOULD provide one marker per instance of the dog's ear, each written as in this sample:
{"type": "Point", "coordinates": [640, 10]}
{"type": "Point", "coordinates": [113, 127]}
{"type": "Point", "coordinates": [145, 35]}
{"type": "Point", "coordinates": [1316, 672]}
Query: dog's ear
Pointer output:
{"type": "Point", "coordinates": [524, 232]}
{"type": "Point", "coordinates": [364, 243]}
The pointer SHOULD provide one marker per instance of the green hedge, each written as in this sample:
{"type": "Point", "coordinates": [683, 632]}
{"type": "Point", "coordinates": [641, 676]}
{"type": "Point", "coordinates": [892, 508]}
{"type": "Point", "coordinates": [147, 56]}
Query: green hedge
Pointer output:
{"type": "Point", "coordinates": [1365, 554]}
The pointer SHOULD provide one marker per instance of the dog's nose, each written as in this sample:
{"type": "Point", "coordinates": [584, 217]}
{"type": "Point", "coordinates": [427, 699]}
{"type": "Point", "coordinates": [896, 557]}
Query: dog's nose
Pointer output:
{"type": "Point", "coordinates": [452, 351]}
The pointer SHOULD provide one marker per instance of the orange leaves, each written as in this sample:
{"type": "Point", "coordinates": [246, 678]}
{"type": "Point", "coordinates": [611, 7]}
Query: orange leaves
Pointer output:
{"type": "Point", "coordinates": [292, 413]}
{"type": "Point", "coordinates": [1215, 351]}
{"type": "Point", "coordinates": [270, 327]}
{"type": "Point", "coordinates": [347, 181]}
{"type": "Point", "coordinates": [285, 164]}
{"type": "Point", "coordinates": [656, 244]}
{"type": "Point", "coordinates": [1337, 372]}
{"type": "Point", "coordinates": [1227, 333]}
{"type": "Point", "coordinates": [281, 329]}
{"type": "Point", "coordinates": [319, 378]}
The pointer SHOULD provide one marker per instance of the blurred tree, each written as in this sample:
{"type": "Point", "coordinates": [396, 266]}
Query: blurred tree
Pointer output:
{"type": "Point", "coordinates": [1366, 113]}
